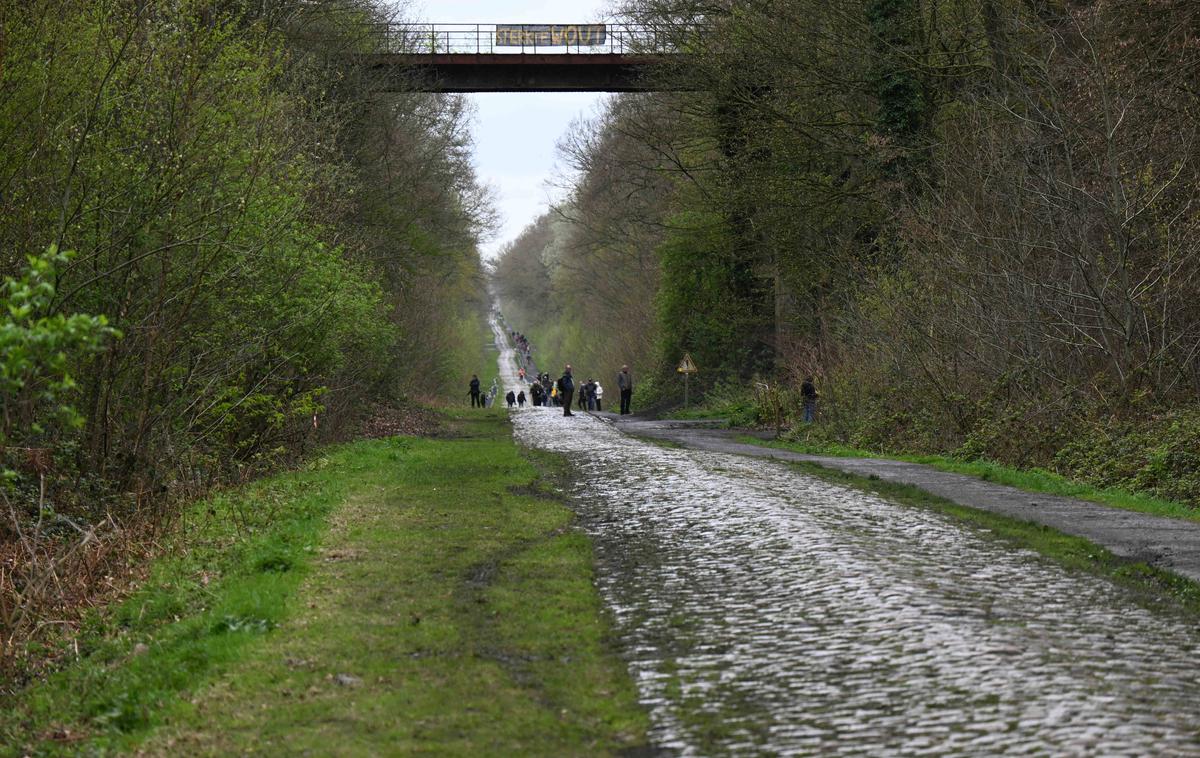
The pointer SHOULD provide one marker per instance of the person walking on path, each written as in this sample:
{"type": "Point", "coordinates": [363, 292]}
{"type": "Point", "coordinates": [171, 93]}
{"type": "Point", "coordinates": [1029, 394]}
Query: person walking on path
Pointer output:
{"type": "Point", "coordinates": [599, 396]}
{"type": "Point", "coordinates": [511, 399]}
{"type": "Point", "coordinates": [521, 399]}
{"type": "Point", "coordinates": [566, 390]}
{"type": "Point", "coordinates": [474, 392]}
{"type": "Point", "coordinates": [625, 384]}
{"type": "Point", "coordinates": [808, 399]}
{"type": "Point", "coordinates": [583, 393]}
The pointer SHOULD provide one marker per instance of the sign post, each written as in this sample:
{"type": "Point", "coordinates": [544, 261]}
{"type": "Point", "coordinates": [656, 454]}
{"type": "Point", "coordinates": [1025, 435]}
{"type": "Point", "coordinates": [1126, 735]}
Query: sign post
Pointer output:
{"type": "Point", "coordinates": [687, 367]}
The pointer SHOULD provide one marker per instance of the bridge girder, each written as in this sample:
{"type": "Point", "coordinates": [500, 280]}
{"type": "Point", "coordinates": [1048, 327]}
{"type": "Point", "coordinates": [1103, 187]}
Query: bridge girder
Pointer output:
{"type": "Point", "coordinates": [539, 72]}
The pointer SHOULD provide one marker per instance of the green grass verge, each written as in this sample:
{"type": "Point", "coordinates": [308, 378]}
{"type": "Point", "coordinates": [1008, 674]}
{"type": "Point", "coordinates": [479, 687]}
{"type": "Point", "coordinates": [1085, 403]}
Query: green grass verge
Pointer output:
{"type": "Point", "coordinates": [236, 560]}
{"type": "Point", "coordinates": [700, 414]}
{"type": "Point", "coordinates": [398, 596]}
{"type": "Point", "coordinates": [732, 410]}
{"type": "Point", "coordinates": [1155, 588]}
{"type": "Point", "coordinates": [1036, 480]}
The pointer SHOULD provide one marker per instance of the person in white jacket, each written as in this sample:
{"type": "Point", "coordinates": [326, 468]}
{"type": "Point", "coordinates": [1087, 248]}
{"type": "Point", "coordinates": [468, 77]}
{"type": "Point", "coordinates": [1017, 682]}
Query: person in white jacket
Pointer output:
{"type": "Point", "coordinates": [599, 396]}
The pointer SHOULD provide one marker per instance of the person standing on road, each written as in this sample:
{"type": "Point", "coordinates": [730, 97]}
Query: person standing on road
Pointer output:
{"type": "Point", "coordinates": [599, 396]}
{"type": "Point", "coordinates": [511, 399]}
{"type": "Point", "coordinates": [808, 399]}
{"type": "Point", "coordinates": [474, 391]}
{"type": "Point", "coordinates": [625, 384]}
{"type": "Point", "coordinates": [521, 399]}
{"type": "Point", "coordinates": [566, 390]}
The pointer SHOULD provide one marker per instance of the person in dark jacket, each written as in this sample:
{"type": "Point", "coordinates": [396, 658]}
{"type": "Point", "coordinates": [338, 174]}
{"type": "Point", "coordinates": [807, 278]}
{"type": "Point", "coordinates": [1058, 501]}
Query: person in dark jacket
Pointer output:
{"type": "Point", "coordinates": [521, 399]}
{"type": "Point", "coordinates": [566, 390]}
{"type": "Point", "coordinates": [511, 398]}
{"type": "Point", "coordinates": [474, 392]}
{"type": "Point", "coordinates": [625, 384]}
{"type": "Point", "coordinates": [535, 394]}
{"type": "Point", "coordinates": [808, 399]}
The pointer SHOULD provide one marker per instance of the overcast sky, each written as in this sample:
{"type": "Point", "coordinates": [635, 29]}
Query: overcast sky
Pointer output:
{"type": "Point", "coordinates": [515, 133]}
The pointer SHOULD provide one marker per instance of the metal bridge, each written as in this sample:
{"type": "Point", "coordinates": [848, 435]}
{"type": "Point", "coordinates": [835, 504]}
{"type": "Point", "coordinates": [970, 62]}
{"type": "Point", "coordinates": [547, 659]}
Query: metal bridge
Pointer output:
{"type": "Point", "coordinates": [523, 57]}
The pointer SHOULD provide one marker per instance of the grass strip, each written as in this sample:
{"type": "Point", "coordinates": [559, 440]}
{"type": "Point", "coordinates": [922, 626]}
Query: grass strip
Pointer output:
{"type": "Point", "coordinates": [1155, 588]}
{"type": "Point", "coordinates": [1036, 480]}
{"type": "Point", "coordinates": [448, 608]}
{"type": "Point", "coordinates": [224, 581]}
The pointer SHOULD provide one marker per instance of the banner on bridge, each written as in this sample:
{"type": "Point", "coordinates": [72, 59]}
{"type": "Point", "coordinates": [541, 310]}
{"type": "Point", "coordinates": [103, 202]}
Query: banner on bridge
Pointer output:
{"type": "Point", "coordinates": [550, 35]}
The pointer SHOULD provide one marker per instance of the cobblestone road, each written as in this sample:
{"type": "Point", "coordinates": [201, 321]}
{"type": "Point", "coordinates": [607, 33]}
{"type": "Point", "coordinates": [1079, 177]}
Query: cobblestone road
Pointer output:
{"type": "Point", "coordinates": [763, 611]}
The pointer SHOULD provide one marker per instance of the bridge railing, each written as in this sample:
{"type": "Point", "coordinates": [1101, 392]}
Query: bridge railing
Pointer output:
{"type": "Point", "coordinates": [479, 39]}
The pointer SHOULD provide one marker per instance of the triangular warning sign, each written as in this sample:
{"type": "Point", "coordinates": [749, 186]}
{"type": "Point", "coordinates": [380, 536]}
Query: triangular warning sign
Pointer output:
{"type": "Point", "coordinates": [687, 365]}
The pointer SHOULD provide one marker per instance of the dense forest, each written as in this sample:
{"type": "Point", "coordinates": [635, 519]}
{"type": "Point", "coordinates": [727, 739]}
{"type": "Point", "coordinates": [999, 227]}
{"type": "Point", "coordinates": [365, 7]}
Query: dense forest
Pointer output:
{"type": "Point", "coordinates": [975, 223]}
{"type": "Point", "coordinates": [221, 242]}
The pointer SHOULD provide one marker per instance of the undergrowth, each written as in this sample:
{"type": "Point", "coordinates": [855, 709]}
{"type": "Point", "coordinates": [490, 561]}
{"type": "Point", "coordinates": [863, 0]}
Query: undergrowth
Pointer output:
{"type": "Point", "coordinates": [1148, 462]}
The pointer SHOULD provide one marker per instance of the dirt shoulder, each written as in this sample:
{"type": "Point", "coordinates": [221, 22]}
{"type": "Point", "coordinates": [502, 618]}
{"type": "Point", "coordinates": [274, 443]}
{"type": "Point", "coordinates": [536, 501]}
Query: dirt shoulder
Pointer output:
{"type": "Point", "coordinates": [1165, 543]}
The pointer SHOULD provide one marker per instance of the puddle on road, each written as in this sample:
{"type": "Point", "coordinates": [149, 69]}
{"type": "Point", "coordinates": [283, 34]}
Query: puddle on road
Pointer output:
{"type": "Point", "coordinates": [764, 611]}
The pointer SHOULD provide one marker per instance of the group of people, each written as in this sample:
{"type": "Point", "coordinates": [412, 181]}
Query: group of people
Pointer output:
{"type": "Point", "coordinates": [591, 396]}
{"type": "Point", "coordinates": [591, 393]}
{"type": "Point", "coordinates": [524, 351]}
{"type": "Point", "coordinates": [547, 392]}
{"type": "Point", "coordinates": [542, 391]}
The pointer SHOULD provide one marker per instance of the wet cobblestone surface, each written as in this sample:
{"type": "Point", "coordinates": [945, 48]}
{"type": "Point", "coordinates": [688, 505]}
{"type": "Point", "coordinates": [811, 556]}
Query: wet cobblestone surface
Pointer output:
{"type": "Point", "coordinates": [763, 611]}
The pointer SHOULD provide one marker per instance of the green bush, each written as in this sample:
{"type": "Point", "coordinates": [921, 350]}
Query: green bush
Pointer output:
{"type": "Point", "coordinates": [1158, 454]}
{"type": "Point", "coordinates": [38, 351]}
